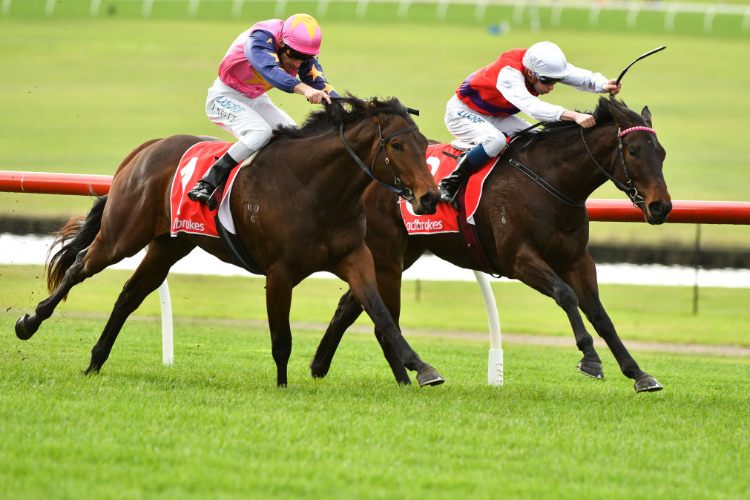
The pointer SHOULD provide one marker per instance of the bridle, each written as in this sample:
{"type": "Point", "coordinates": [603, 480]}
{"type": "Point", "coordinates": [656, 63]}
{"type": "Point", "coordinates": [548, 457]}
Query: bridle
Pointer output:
{"type": "Point", "coordinates": [628, 188]}
{"type": "Point", "coordinates": [398, 188]}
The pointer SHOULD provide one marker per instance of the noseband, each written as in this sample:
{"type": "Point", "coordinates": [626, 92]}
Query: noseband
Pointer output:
{"type": "Point", "coordinates": [627, 188]}
{"type": "Point", "coordinates": [404, 192]}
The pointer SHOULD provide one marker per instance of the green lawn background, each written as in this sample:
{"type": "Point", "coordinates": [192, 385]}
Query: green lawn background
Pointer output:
{"type": "Point", "coordinates": [79, 94]}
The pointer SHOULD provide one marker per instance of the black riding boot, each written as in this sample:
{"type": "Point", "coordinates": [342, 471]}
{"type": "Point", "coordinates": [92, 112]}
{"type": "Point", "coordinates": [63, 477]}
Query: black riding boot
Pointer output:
{"type": "Point", "coordinates": [450, 184]}
{"type": "Point", "coordinates": [204, 189]}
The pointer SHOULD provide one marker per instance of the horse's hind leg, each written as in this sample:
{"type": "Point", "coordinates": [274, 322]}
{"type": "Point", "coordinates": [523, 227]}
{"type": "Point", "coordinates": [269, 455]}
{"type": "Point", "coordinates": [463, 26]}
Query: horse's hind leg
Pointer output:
{"type": "Point", "coordinates": [27, 325]}
{"type": "Point", "coordinates": [152, 271]}
{"type": "Point", "coordinates": [582, 278]}
{"type": "Point", "coordinates": [346, 314]}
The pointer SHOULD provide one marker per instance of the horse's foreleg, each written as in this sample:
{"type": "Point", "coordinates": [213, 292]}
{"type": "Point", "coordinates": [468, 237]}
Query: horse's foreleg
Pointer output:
{"type": "Point", "coordinates": [358, 270]}
{"type": "Point", "coordinates": [346, 314]}
{"type": "Point", "coordinates": [582, 278]}
{"type": "Point", "coordinates": [151, 272]}
{"type": "Point", "coordinates": [534, 272]}
{"type": "Point", "coordinates": [389, 289]}
{"type": "Point", "coordinates": [278, 303]}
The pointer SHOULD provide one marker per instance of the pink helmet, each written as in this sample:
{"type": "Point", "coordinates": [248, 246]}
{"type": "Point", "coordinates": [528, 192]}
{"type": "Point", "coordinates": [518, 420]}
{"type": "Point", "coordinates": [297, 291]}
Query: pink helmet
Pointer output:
{"type": "Point", "coordinates": [302, 33]}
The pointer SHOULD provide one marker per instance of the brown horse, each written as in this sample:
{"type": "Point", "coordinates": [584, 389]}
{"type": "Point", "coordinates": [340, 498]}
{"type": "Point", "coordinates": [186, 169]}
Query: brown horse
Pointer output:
{"type": "Point", "coordinates": [531, 234]}
{"type": "Point", "coordinates": [306, 191]}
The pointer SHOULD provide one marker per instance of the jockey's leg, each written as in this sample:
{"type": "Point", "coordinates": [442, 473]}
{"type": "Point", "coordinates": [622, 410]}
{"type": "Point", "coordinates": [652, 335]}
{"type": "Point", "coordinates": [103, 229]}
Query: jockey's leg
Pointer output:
{"type": "Point", "coordinates": [483, 131]}
{"type": "Point", "coordinates": [466, 164]}
{"type": "Point", "coordinates": [251, 121]}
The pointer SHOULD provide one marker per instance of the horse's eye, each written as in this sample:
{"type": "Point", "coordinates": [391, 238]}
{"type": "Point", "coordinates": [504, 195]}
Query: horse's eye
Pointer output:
{"type": "Point", "coordinates": [397, 146]}
{"type": "Point", "coordinates": [632, 152]}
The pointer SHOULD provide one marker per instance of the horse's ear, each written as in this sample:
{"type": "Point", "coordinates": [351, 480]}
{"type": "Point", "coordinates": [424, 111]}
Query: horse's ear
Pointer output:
{"type": "Point", "coordinates": [646, 114]}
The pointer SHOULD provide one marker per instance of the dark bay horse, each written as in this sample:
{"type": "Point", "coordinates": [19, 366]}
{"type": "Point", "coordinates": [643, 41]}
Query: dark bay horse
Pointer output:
{"type": "Point", "coordinates": [529, 233]}
{"type": "Point", "coordinates": [308, 215]}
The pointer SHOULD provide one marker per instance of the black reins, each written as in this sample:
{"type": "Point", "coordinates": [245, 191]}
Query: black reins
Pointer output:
{"type": "Point", "coordinates": [627, 188]}
{"type": "Point", "coordinates": [398, 188]}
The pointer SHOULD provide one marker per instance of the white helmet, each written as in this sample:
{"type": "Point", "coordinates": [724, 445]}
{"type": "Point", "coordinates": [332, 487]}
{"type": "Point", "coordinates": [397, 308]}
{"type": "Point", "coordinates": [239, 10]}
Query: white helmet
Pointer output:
{"type": "Point", "coordinates": [546, 59]}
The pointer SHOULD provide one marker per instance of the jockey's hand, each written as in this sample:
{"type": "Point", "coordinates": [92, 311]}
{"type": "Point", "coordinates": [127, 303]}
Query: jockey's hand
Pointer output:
{"type": "Point", "coordinates": [313, 96]}
{"type": "Point", "coordinates": [318, 96]}
{"type": "Point", "coordinates": [612, 87]}
{"type": "Point", "coordinates": [585, 120]}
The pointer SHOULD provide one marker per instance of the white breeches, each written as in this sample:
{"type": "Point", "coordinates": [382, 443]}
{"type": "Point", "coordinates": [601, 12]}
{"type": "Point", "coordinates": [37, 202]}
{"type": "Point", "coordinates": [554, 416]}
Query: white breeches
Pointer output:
{"type": "Point", "coordinates": [250, 120]}
{"type": "Point", "coordinates": [476, 128]}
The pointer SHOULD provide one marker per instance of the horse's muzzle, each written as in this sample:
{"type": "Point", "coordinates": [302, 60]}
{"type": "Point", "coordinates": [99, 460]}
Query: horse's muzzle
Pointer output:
{"type": "Point", "coordinates": [427, 203]}
{"type": "Point", "coordinates": [658, 211]}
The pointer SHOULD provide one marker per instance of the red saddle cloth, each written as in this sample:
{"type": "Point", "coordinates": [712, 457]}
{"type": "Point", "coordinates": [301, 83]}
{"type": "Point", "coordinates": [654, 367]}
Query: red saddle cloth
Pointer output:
{"type": "Point", "coordinates": [189, 216]}
{"type": "Point", "coordinates": [445, 219]}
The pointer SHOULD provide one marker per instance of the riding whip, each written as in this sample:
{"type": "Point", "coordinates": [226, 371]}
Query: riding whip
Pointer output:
{"type": "Point", "coordinates": [641, 57]}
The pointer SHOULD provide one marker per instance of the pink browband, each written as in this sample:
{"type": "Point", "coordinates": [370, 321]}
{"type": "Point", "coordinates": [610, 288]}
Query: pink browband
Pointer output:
{"type": "Point", "coordinates": [634, 129]}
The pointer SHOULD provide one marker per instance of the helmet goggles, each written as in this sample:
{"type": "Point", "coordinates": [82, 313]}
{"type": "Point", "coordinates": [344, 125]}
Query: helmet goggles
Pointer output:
{"type": "Point", "coordinates": [545, 80]}
{"type": "Point", "coordinates": [296, 55]}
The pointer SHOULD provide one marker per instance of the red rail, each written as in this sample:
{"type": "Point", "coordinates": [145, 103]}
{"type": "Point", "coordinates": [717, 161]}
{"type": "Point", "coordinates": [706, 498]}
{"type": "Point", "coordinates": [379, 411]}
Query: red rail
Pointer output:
{"type": "Point", "coordinates": [41, 182]}
{"type": "Point", "coordinates": [683, 211]}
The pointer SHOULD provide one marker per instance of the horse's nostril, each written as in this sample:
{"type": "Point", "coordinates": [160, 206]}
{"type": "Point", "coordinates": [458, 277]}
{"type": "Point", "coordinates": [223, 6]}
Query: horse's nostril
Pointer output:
{"type": "Point", "coordinates": [429, 201]}
{"type": "Point", "coordinates": [659, 208]}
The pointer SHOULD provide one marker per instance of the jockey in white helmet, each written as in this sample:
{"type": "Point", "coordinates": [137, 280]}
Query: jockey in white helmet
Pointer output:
{"type": "Point", "coordinates": [482, 112]}
{"type": "Point", "coordinates": [272, 54]}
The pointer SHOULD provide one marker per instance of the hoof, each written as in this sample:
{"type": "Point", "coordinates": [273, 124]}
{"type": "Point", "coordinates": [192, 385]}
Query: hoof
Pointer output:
{"type": "Point", "coordinates": [22, 332]}
{"type": "Point", "coordinates": [591, 369]}
{"type": "Point", "coordinates": [317, 371]}
{"type": "Point", "coordinates": [91, 370]}
{"type": "Point", "coordinates": [647, 383]}
{"type": "Point", "coordinates": [429, 376]}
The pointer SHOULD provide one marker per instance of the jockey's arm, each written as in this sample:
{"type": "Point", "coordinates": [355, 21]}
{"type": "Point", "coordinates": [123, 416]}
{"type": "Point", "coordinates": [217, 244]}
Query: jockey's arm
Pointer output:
{"type": "Point", "coordinates": [311, 73]}
{"type": "Point", "coordinates": [512, 84]}
{"type": "Point", "coordinates": [583, 79]}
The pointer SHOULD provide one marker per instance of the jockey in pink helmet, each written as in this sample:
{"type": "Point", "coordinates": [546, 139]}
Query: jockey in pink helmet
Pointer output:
{"type": "Point", "coordinates": [272, 54]}
{"type": "Point", "coordinates": [302, 34]}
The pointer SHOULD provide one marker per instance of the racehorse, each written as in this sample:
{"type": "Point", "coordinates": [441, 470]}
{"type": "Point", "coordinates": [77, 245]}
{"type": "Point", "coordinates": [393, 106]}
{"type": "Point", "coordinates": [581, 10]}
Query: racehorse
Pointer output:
{"type": "Point", "coordinates": [531, 234]}
{"type": "Point", "coordinates": [305, 188]}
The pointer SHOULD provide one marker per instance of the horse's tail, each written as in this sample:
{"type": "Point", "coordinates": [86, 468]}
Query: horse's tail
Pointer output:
{"type": "Point", "coordinates": [74, 237]}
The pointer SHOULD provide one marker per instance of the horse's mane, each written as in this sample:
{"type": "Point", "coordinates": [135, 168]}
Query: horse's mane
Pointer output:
{"type": "Point", "coordinates": [602, 115]}
{"type": "Point", "coordinates": [347, 109]}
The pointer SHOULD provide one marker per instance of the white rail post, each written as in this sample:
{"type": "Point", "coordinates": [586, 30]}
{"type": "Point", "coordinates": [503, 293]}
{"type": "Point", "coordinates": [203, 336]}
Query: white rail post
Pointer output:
{"type": "Point", "coordinates": [320, 13]}
{"type": "Point", "coordinates": [146, 8]}
{"type": "Point", "coordinates": [193, 7]}
{"type": "Point", "coordinates": [5, 8]}
{"type": "Point", "coordinates": [556, 14]}
{"type": "Point", "coordinates": [237, 7]}
{"type": "Point", "coordinates": [633, 12]}
{"type": "Point", "coordinates": [167, 345]}
{"type": "Point", "coordinates": [495, 361]}
{"type": "Point", "coordinates": [361, 11]}
{"type": "Point", "coordinates": [442, 9]}
{"type": "Point", "coordinates": [94, 10]}
{"type": "Point", "coordinates": [403, 9]}
{"type": "Point", "coordinates": [480, 10]}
